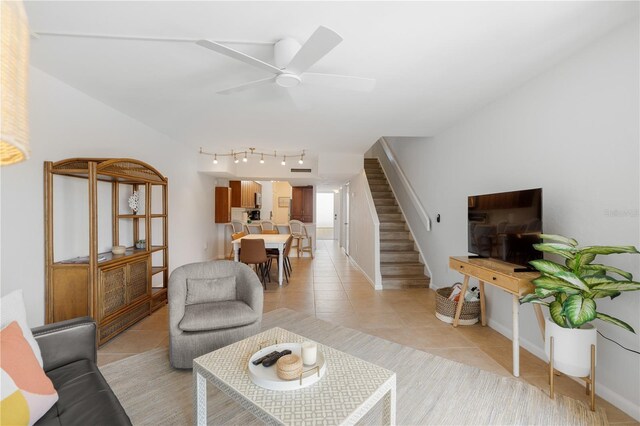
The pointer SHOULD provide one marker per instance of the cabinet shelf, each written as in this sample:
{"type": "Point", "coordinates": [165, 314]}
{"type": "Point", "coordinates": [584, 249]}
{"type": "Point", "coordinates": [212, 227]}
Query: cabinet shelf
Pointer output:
{"type": "Point", "coordinates": [131, 216]}
{"type": "Point", "coordinates": [157, 269]}
{"type": "Point", "coordinates": [157, 248]}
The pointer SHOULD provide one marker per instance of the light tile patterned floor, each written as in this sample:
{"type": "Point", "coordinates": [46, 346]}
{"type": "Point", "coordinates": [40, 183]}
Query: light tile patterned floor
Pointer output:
{"type": "Point", "coordinates": [333, 289]}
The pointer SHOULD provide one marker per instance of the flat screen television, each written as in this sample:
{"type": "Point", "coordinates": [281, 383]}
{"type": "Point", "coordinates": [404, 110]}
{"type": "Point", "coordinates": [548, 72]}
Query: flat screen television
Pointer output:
{"type": "Point", "coordinates": [505, 225]}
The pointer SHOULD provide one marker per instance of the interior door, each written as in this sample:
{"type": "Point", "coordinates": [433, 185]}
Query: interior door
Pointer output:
{"type": "Point", "coordinates": [345, 215]}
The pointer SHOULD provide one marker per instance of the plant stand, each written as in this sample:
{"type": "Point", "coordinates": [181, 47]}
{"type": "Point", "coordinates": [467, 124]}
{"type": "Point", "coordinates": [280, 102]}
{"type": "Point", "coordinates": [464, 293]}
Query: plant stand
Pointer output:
{"type": "Point", "coordinates": [590, 381]}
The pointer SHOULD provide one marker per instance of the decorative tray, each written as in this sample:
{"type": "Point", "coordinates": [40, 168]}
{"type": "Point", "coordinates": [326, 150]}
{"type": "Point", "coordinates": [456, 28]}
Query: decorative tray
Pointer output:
{"type": "Point", "coordinates": [266, 377]}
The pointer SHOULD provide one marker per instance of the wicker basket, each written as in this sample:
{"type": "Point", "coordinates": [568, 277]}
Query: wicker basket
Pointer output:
{"type": "Point", "coordinates": [446, 309]}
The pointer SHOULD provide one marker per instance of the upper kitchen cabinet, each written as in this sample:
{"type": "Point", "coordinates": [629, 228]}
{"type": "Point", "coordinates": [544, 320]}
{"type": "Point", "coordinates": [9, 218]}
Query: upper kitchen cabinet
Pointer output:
{"type": "Point", "coordinates": [243, 193]}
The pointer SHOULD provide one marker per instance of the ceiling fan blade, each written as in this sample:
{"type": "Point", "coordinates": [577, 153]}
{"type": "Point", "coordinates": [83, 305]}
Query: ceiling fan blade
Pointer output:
{"type": "Point", "coordinates": [321, 42]}
{"type": "Point", "coordinates": [345, 82]}
{"type": "Point", "coordinates": [242, 57]}
{"type": "Point", "coordinates": [246, 86]}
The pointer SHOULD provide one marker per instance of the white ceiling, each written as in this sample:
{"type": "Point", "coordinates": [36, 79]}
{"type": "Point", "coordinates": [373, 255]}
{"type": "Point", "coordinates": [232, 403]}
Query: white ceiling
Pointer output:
{"type": "Point", "coordinates": [434, 62]}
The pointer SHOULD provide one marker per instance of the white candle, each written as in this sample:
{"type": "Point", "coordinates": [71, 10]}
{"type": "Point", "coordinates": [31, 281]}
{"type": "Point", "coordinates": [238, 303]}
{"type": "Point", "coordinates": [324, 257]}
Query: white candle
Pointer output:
{"type": "Point", "coordinates": [309, 353]}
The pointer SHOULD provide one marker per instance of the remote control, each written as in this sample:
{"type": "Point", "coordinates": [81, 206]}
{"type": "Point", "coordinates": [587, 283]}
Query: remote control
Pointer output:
{"type": "Point", "coordinates": [260, 360]}
{"type": "Point", "coordinates": [273, 359]}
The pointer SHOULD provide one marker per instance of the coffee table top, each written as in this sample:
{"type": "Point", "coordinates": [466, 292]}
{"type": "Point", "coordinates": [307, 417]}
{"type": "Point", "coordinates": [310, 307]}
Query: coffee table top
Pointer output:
{"type": "Point", "coordinates": [344, 393]}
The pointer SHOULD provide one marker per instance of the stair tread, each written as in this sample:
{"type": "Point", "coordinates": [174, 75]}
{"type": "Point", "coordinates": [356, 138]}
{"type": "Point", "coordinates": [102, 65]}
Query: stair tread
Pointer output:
{"type": "Point", "coordinates": [412, 263]}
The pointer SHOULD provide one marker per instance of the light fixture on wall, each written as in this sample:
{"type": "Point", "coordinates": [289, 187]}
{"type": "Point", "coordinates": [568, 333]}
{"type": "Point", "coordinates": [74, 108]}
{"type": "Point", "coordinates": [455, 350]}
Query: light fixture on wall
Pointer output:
{"type": "Point", "coordinates": [14, 51]}
{"type": "Point", "coordinates": [246, 154]}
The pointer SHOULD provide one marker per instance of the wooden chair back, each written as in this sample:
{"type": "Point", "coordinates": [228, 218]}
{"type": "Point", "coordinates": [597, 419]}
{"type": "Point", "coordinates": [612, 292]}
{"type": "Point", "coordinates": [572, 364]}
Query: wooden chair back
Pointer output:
{"type": "Point", "coordinates": [268, 225]}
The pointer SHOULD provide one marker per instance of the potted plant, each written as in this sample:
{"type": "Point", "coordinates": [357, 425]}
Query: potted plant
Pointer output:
{"type": "Point", "coordinates": [574, 288]}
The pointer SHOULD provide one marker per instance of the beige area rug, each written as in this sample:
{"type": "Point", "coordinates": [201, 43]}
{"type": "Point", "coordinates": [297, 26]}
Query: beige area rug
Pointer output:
{"type": "Point", "coordinates": [430, 389]}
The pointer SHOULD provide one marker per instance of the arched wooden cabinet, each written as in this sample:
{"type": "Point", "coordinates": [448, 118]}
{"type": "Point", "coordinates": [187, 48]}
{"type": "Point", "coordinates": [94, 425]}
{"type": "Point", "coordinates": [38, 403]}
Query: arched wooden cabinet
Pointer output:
{"type": "Point", "coordinates": [116, 290]}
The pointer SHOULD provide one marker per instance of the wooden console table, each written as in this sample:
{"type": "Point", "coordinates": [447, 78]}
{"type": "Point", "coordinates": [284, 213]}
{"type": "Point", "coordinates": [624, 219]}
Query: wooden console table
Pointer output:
{"type": "Point", "coordinates": [500, 274]}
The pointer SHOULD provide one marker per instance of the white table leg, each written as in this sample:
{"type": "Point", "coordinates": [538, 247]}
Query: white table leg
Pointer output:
{"type": "Point", "coordinates": [516, 336]}
{"type": "Point", "coordinates": [389, 412]}
{"type": "Point", "coordinates": [280, 263]}
{"type": "Point", "coordinates": [200, 399]}
{"type": "Point", "coordinates": [236, 249]}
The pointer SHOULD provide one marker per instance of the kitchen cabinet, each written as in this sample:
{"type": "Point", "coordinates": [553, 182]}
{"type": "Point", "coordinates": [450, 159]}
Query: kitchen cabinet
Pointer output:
{"type": "Point", "coordinates": [243, 193]}
{"type": "Point", "coordinates": [223, 204]}
{"type": "Point", "coordinates": [302, 203]}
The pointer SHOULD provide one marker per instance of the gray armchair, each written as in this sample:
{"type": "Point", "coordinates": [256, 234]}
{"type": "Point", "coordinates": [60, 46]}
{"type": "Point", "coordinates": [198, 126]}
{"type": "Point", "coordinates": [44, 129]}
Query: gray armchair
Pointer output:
{"type": "Point", "coordinates": [211, 305]}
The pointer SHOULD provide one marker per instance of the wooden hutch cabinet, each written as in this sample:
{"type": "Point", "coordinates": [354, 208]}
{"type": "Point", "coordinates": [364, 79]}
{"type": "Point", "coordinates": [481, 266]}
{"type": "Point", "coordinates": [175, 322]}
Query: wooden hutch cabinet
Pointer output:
{"type": "Point", "coordinates": [302, 203]}
{"type": "Point", "coordinates": [243, 193]}
{"type": "Point", "coordinates": [115, 290]}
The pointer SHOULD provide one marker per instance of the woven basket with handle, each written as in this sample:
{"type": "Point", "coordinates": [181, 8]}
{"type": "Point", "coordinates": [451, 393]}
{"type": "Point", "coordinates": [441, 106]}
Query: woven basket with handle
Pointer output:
{"type": "Point", "coordinates": [446, 309]}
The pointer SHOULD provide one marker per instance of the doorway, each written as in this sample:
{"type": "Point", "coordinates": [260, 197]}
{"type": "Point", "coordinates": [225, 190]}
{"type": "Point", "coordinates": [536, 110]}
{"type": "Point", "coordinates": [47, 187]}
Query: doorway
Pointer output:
{"type": "Point", "coordinates": [325, 216]}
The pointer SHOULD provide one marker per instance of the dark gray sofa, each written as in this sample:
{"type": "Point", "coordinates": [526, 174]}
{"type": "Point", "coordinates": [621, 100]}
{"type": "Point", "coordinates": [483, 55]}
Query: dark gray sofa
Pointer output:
{"type": "Point", "coordinates": [69, 354]}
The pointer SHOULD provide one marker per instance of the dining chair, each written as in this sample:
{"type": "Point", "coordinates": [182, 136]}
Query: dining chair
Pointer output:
{"type": "Point", "coordinates": [286, 262]}
{"type": "Point", "coordinates": [300, 235]}
{"type": "Point", "coordinates": [253, 252]}
{"type": "Point", "coordinates": [254, 228]}
{"type": "Point", "coordinates": [237, 226]}
{"type": "Point", "coordinates": [233, 238]}
{"type": "Point", "coordinates": [268, 225]}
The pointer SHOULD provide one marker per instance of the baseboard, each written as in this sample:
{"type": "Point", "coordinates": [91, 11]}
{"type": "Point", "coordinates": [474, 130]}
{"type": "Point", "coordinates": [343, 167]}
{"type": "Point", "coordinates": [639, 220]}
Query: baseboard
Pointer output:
{"type": "Point", "coordinates": [365, 274]}
{"type": "Point", "coordinates": [629, 407]}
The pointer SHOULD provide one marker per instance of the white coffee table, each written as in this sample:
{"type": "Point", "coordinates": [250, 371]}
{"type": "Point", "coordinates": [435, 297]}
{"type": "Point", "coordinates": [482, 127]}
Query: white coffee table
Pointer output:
{"type": "Point", "coordinates": [350, 388]}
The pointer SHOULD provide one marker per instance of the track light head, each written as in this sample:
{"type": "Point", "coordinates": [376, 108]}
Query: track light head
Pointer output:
{"type": "Point", "coordinates": [284, 161]}
{"type": "Point", "coordinates": [261, 158]}
{"type": "Point", "coordinates": [215, 159]}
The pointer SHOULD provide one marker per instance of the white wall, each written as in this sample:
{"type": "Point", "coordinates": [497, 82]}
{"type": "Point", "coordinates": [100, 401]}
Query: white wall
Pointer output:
{"type": "Point", "coordinates": [267, 200]}
{"type": "Point", "coordinates": [364, 235]}
{"type": "Point", "coordinates": [574, 131]}
{"type": "Point", "coordinates": [67, 123]}
{"type": "Point", "coordinates": [324, 209]}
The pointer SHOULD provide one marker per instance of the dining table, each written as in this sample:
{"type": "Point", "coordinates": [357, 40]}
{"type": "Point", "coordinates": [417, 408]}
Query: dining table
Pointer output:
{"type": "Point", "coordinates": [271, 241]}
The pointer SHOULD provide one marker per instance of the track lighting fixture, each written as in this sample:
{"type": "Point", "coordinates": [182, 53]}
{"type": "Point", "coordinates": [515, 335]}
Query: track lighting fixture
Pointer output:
{"type": "Point", "coordinates": [251, 152]}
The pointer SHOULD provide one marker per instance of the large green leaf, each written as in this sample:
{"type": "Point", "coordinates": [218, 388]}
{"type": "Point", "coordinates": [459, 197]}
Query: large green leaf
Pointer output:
{"type": "Point", "coordinates": [616, 321]}
{"type": "Point", "coordinates": [572, 279]}
{"type": "Point", "coordinates": [599, 294]}
{"type": "Point", "coordinates": [592, 280]}
{"type": "Point", "coordinates": [610, 249]}
{"type": "Point", "coordinates": [560, 239]}
{"type": "Point", "coordinates": [555, 310]}
{"type": "Point", "coordinates": [543, 292]}
{"type": "Point", "coordinates": [547, 266]}
{"type": "Point", "coordinates": [529, 298]}
{"type": "Point", "coordinates": [605, 268]}
{"type": "Point", "coordinates": [579, 310]}
{"type": "Point", "coordinates": [618, 286]}
{"type": "Point", "coordinates": [580, 260]}
{"type": "Point", "coordinates": [563, 250]}
{"type": "Point", "coordinates": [554, 284]}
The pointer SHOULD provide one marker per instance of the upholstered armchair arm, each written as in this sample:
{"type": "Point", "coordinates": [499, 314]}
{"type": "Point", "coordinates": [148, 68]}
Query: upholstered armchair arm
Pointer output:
{"type": "Point", "coordinates": [67, 341]}
{"type": "Point", "coordinates": [249, 288]}
{"type": "Point", "coordinates": [177, 296]}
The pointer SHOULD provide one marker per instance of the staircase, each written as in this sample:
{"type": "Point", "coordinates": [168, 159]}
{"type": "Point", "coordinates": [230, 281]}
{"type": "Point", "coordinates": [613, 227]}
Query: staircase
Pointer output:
{"type": "Point", "coordinates": [400, 264]}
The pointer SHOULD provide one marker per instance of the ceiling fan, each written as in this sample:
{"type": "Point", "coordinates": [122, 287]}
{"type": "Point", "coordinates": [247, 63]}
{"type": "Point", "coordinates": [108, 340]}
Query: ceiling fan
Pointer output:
{"type": "Point", "coordinates": [292, 62]}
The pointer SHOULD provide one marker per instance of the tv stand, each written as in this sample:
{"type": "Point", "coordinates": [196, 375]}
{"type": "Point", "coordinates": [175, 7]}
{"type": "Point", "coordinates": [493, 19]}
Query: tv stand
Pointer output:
{"type": "Point", "coordinates": [504, 276]}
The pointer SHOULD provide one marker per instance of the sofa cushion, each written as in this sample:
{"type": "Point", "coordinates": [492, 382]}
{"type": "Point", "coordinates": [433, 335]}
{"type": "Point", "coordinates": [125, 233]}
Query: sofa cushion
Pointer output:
{"type": "Point", "coordinates": [217, 316]}
{"type": "Point", "coordinates": [85, 398]}
{"type": "Point", "coordinates": [205, 290]}
{"type": "Point", "coordinates": [12, 308]}
{"type": "Point", "coordinates": [27, 393]}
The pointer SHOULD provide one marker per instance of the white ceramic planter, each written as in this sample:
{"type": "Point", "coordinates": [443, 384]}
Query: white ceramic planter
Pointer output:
{"type": "Point", "coordinates": [571, 347]}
